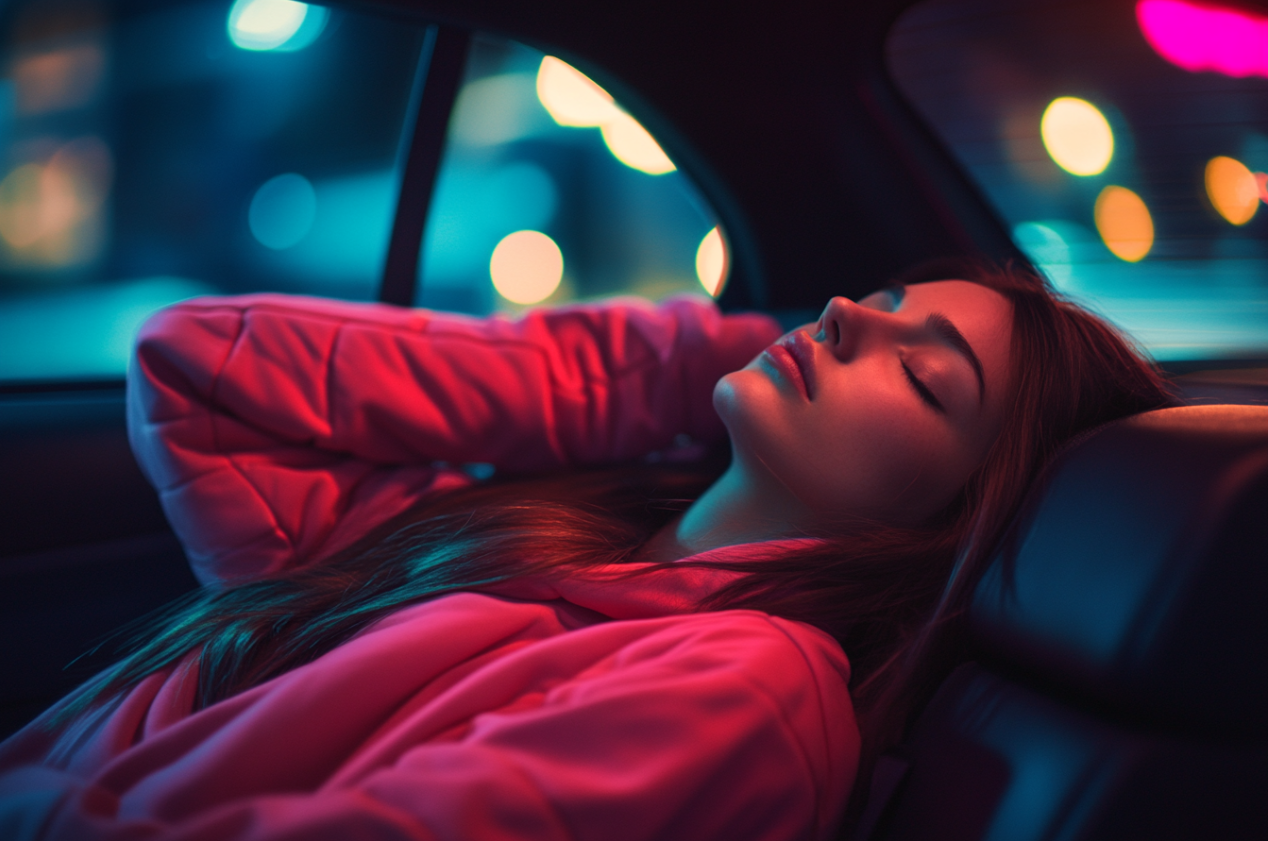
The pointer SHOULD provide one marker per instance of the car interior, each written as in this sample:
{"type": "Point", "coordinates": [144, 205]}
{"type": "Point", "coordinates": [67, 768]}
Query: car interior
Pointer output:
{"type": "Point", "coordinates": [770, 156]}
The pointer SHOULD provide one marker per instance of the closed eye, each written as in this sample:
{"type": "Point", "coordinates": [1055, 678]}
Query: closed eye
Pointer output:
{"type": "Point", "coordinates": [923, 390]}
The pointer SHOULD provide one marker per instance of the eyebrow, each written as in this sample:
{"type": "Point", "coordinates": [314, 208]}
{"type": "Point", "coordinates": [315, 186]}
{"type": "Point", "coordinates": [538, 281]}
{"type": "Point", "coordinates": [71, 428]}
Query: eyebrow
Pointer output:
{"type": "Point", "coordinates": [944, 329]}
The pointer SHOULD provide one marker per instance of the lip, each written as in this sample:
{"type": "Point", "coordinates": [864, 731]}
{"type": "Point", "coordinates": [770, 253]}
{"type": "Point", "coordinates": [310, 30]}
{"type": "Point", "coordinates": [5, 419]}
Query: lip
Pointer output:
{"type": "Point", "coordinates": [794, 354]}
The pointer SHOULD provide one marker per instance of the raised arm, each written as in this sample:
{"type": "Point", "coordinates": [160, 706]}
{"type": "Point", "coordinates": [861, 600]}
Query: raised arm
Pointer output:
{"type": "Point", "coordinates": [278, 429]}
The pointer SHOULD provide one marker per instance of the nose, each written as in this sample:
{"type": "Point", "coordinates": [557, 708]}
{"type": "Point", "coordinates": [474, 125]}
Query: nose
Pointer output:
{"type": "Point", "coordinates": [845, 328]}
{"type": "Point", "coordinates": [837, 328]}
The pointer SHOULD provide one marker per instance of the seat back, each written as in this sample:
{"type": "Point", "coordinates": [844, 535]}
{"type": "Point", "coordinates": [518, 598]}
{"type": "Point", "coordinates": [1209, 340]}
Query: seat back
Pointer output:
{"type": "Point", "coordinates": [1121, 643]}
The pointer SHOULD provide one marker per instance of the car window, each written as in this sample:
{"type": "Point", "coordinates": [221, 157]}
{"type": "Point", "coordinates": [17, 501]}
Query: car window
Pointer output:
{"type": "Point", "coordinates": [154, 151]}
{"type": "Point", "coordinates": [1124, 143]}
{"type": "Point", "coordinates": [549, 191]}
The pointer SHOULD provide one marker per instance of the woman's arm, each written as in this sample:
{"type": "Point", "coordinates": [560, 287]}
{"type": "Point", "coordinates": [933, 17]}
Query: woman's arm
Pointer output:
{"type": "Point", "coordinates": [278, 429]}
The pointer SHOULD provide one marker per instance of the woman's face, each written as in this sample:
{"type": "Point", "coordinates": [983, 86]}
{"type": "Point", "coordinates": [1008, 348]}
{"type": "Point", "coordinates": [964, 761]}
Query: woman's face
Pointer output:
{"type": "Point", "coordinates": [881, 409]}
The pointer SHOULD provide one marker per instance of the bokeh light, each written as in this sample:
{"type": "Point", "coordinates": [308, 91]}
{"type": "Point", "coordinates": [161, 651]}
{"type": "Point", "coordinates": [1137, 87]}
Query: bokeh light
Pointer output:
{"type": "Point", "coordinates": [1205, 37]}
{"type": "Point", "coordinates": [526, 267]}
{"type": "Point", "coordinates": [473, 207]}
{"type": "Point", "coordinates": [1232, 189]}
{"type": "Point", "coordinates": [574, 99]}
{"type": "Point", "coordinates": [635, 147]}
{"type": "Point", "coordinates": [284, 25]}
{"type": "Point", "coordinates": [23, 216]}
{"type": "Point", "coordinates": [282, 211]}
{"type": "Point", "coordinates": [58, 80]}
{"type": "Point", "coordinates": [571, 97]}
{"type": "Point", "coordinates": [51, 211]}
{"type": "Point", "coordinates": [711, 262]}
{"type": "Point", "coordinates": [1124, 223]}
{"type": "Point", "coordinates": [1077, 136]}
{"type": "Point", "coordinates": [1047, 249]}
{"type": "Point", "coordinates": [495, 110]}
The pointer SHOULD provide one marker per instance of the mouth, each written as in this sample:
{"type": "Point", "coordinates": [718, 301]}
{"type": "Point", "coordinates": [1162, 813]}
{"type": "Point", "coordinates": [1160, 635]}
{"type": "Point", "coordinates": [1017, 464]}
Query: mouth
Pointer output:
{"type": "Point", "coordinates": [794, 356]}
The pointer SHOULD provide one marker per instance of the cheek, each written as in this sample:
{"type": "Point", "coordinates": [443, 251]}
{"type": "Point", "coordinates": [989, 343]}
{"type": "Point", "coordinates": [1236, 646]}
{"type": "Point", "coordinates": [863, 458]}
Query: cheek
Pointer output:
{"type": "Point", "coordinates": [873, 462]}
{"type": "Point", "coordinates": [874, 453]}
{"type": "Point", "coordinates": [913, 469]}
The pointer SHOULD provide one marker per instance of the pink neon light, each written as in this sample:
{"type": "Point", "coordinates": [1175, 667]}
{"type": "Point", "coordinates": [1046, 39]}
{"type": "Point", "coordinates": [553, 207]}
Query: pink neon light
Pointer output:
{"type": "Point", "coordinates": [1205, 37]}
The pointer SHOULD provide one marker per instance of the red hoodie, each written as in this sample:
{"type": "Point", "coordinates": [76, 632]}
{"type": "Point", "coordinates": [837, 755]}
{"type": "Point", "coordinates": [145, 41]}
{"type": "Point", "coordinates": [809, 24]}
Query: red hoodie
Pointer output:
{"type": "Point", "coordinates": [279, 429]}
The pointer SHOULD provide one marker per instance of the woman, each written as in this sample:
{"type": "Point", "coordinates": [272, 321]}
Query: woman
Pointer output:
{"type": "Point", "coordinates": [388, 648]}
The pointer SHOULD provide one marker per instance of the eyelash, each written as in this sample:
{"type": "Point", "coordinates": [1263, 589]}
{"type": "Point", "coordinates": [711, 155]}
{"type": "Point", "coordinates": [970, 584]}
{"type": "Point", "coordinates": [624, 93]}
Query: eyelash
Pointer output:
{"type": "Point", "coordinates": [923, 390]}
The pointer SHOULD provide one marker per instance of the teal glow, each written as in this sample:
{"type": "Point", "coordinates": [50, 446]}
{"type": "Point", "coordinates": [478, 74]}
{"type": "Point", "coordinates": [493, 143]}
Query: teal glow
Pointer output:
{"type": "Point", "coordinates": [1175, 308]}
{"type": "Point", "coordinates": [8, 104]}
{"type": "Point", "coordinates": [1062, 250]}
{"type": "Point", "coordinates": [82, 333]}
{"type": "Point", "coordinates": [281, 25]}
{"type": "Point", "coordinates": [1182, 309]}
{"type": "Point", "coordinates": [475, 206]}
{"type": "Point", "coordinates": [282, 211]}
{"type": "Point", "coordinates": [496, 110]}
{"type": "Point", "coordinates": [343, 250]}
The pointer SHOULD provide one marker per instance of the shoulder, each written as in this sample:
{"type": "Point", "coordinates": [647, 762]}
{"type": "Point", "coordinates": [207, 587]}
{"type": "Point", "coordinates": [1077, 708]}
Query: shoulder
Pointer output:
{"type": "Point", "coordinates": [777, 649]}
{"type": "Point", "coordinates": [799, 670]}
{"type": "Point", "coordinates": [750, 691]}
{"type": "Point", "coordinates": [789, 673]}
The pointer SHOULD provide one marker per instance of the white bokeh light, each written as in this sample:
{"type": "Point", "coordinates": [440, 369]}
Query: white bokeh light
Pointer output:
{"type": "Point", "coordinates": [261, 25]}
{"type": "Point", "coordinates": [574, 99]}
{"type": "Point", "coordinates": [526, 267]}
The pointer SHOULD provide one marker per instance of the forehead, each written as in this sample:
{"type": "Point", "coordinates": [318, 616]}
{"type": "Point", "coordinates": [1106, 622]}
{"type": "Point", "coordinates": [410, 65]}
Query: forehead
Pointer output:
{"type": "Point", "coordinates": [974, 304]}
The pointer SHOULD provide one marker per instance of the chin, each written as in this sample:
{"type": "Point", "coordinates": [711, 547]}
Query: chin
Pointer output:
{"type": "Point", "coordinates": [742, 393]}
{"type": "Point", "coordinates": [750, 407]}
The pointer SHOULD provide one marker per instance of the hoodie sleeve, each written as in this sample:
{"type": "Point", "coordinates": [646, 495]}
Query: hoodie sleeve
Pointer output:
{"type": "Point", "coordinates": [728, 725]}
{"type": "Point", "coordinates": [279, 429]}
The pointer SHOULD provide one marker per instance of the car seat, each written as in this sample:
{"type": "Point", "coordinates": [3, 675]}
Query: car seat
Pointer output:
{"type": "Point", "coordinates": [1120, 635]}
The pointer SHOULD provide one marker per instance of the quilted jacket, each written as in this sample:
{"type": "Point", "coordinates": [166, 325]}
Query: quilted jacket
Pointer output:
{"type": "Point", "coordinates": [279, 429]}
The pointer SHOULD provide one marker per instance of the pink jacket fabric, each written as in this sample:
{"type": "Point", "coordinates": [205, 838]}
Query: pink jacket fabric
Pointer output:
{"type": "Point", "coordinates": [279, 429]}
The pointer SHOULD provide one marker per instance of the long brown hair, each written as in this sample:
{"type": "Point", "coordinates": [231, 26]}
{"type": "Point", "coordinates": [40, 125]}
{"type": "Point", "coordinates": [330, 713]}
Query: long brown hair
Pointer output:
{"type": "Point", "coordinates": [890, 595]}
{"type": "Point", "coordinates": [893, 597]}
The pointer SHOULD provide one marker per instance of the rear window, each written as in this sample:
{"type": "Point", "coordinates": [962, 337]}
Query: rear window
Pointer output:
{"type": "Point", "coordinates": [150, 152]}
{"type": "Point", "coordinates": [1124, 143]}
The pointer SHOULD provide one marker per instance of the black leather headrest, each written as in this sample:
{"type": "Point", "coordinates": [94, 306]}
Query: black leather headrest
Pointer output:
{"type": "Point", "coordinates": [1137, 574]}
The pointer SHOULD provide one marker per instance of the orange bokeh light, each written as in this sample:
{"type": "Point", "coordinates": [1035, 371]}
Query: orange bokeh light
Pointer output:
{"type": "Point", "coordinates": [50, 211]}
{"type": "Point", "coordinates": [58, 80]}
{"type": "Point", "coordinates": [1232, 189]}
{"type": "Point", "coordinates": [1124, 223]}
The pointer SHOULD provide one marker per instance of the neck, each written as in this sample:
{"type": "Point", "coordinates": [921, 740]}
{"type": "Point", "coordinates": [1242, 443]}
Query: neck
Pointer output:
{"type": "Point", "coordinates": [735, 509]}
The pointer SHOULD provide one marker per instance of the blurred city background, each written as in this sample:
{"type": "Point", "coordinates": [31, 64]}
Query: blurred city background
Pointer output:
{"type": "Point", "coordinates": [152, 150]}
{"type": "Point", "coordinates": [1125, 144]}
